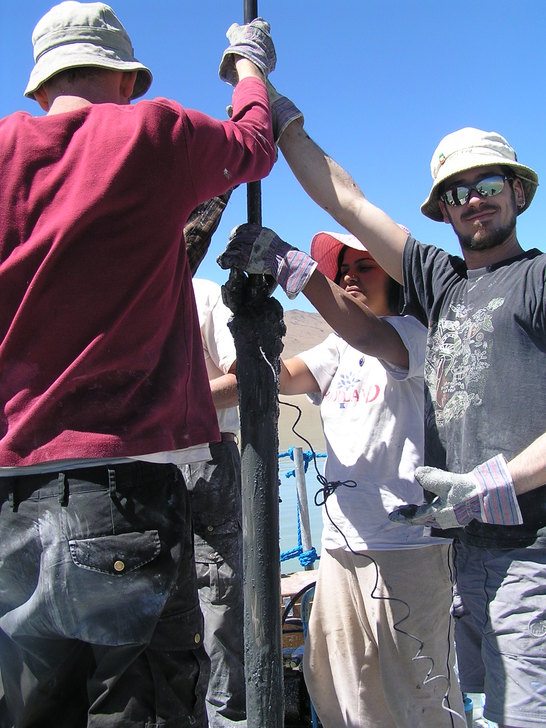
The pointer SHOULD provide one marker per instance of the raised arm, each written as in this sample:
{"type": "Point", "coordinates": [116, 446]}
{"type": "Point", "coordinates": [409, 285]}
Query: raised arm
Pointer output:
{"type": "Point", "coordinates": [247, 69]}
{"type": "Point", "coordinates": [251, 52]}
{"type": "Point", "coordinates": [259, 250]}
{"type": "Point", "coordinates": [333, 188]}
{"type": "Point", "coordinates": [355, 322]}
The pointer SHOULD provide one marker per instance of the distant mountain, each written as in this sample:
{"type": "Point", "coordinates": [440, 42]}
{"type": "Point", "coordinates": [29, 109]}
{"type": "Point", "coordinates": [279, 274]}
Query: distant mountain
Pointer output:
{"type": "Point", "coordinates": [303, 330]}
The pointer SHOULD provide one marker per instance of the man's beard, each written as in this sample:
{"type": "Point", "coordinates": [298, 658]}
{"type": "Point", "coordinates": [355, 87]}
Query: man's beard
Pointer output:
{"type": "Point", "coordinates": [485, 239]}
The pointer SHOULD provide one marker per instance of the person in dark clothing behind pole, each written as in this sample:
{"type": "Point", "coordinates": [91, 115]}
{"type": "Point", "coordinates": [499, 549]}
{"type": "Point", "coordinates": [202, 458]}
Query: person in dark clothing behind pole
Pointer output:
{"type": "Point", "coordinates": [215, 494]}
{"type": "Point", "coordinates": [103, 385]}
{"type": "Point", "coordinates": [485, 409]}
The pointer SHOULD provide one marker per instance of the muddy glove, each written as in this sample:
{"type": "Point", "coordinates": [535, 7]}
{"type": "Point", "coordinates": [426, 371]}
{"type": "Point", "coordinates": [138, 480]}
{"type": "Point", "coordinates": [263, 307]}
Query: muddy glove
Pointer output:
{"type": "Point", "coordinates": [256, 249]}
{"type": "Point", "coordinates": [485, 494]}
{"type": "Point", "coordinates": [283, 111]}
{"type": "Point", "coordinates": [252, 41]}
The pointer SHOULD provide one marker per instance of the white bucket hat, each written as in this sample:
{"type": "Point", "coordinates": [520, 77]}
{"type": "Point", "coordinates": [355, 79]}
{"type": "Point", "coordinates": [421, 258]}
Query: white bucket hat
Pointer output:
{"type": "Point", "coordinates": [469, 148]}
{"type": "Point", "coordinates": [76, 35]}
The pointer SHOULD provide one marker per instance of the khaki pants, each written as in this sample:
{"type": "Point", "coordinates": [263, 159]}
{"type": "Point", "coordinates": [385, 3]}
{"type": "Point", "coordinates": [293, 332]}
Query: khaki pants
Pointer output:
{"type": "Point", "coordinates": [379, 653]}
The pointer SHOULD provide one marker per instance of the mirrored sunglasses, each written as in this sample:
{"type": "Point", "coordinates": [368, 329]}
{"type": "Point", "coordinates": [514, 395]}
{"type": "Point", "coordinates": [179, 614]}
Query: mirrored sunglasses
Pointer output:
{"type": "Point", "coordinates": [487, 187]}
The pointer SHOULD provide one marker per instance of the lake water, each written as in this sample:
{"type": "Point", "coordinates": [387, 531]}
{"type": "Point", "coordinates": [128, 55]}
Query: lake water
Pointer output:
{"type": "Point", "coordinates": [288, 515]}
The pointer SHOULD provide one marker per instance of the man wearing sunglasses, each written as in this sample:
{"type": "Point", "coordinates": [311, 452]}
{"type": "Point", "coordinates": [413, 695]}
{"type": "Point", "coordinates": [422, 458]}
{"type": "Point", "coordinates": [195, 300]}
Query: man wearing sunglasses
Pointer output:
{"type": "Point", "coordinates": [485, 410]}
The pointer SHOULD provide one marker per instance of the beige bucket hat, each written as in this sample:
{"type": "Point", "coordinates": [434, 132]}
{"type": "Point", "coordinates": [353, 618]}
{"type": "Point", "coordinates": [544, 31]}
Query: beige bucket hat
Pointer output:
{"type": "Point", "coordinates": [469, 148]}
{"type": "Point", "coordinates": [75, 35]}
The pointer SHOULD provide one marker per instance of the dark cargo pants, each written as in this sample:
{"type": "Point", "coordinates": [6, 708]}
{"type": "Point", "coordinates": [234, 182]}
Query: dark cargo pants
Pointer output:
{"type": "Point", "coordinates": [99, 618]}
{"type": "Point", "coordinates": [215, 491]}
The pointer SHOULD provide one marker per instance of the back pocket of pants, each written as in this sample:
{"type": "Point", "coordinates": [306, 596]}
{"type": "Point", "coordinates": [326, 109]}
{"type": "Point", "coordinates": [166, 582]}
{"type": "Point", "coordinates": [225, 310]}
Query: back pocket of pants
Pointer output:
{"type": "Point", "coordinates": [115, 555]}
{"type": "Point", "coordinates": [117, 586]}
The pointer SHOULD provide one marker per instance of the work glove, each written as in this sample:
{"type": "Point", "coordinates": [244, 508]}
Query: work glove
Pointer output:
{"type": "Point", "coordinates": [252, 41]}
{"type": "Point", "coordinates": [283, 111]}
{"type": "Point", "coordinates": [257, 249]}
{"type": "Point", "coordinates": [485, 494]}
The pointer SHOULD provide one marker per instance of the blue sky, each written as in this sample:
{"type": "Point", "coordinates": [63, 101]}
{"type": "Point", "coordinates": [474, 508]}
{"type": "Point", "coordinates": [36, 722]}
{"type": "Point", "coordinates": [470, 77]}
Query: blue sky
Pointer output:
{"type": "Point", "coordinates": [380, 83]}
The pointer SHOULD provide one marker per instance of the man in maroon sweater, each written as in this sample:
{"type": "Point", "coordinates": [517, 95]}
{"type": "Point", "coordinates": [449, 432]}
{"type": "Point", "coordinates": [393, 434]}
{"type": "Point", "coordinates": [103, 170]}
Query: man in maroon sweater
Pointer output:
{"type": "Point", "coordinates": [103, 388]}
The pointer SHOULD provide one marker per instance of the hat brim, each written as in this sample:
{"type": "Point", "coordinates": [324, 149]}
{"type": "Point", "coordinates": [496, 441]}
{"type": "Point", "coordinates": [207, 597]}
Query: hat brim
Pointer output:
{"type": "Point", "coordinates": [325, 249]}
{"type": "Point", "coordinates": [86, 55]}
{"type": "Point", "coordinates": [528, 177]}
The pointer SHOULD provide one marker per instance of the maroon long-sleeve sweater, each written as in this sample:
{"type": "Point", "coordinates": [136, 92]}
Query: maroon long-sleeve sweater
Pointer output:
{"type": "Point", "coordinates": [100, 350]}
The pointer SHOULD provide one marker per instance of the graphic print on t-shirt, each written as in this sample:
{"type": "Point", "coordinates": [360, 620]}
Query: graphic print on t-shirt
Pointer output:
{"type": "Point", "coordinates": [349, 391]}
{"type": "Point", "coordinates": [457, 358]}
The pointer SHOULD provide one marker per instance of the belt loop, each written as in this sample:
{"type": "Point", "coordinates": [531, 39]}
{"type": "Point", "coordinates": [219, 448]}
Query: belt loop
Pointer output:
{"type": "Point", "coordinates": [12, 498]}
{"type": "Point", "coordinates": [112, 482]}
{"type": "Point", "coordinates": [62, 482]}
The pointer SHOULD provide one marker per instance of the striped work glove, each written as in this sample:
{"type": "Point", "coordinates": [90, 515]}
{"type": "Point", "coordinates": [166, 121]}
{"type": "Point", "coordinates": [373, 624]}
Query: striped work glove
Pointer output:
{"type": "Point", "coordinates": [485, 494]}
{"type": "Point", "coordinates": [252, 41]}
{"type": "Point", "coordinates": [283, 111]}
{"type": "Point", "coordinates": [256, 249]}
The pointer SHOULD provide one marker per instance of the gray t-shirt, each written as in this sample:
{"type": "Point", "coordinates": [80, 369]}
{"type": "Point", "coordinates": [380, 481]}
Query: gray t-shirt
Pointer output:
{"type": "Point", "coordinates": [485, 384]}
